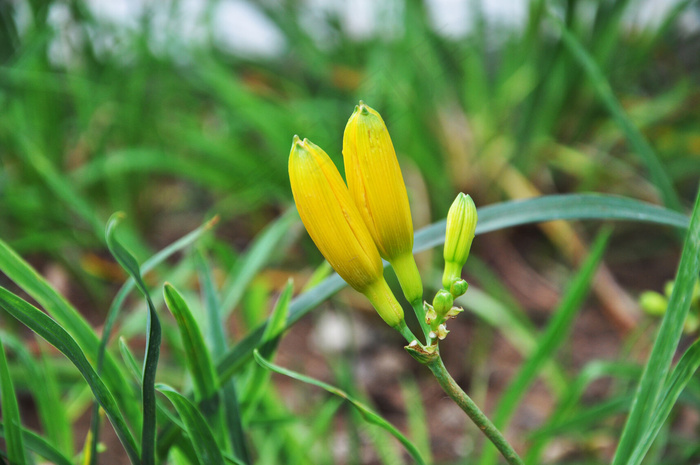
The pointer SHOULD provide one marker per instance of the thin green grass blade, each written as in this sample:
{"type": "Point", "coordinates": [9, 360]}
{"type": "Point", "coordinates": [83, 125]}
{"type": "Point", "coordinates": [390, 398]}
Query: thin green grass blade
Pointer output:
{"type": "Point", "coordinates": [369, 415]}
{"type": "Point", "coordinates": [649, 394]}
{"type": "Point", "coordinates": [641, 146]}
{"type": "Point", "coordinates": [557, 330]}
{"type": "Point", "coordinates": [54, 334]}
{"type": "Point", "coordinates": [31, 282]}
{"type": "Point", "coordinates": [679, 378]}
{"type": "Point", "coordinates": [130, 361]}
{"type": "Point", "coordinates": [254, 259]}
{"type": "Point", "coordinates": [43, 385]}
{"type": "Point", "coordinates": [41, 447]}
{"type": "Point", "coordinates": [10, 414]}
{"type": "Point", "coordinates": [217, 340]}
{"type": "Point", "coordinates": [491, 218]}
{"type": "Point", "coordinates": [197, 356]}
{"type": "Point", "coordinates": [150, 364]}
{"type": "Point", "coordinates": [196, 427]}
{"type": "Point", "coordinates": [259, 377]}
{"type": "Point", "coordinates": [417, 418]}
{"type": "Point", "coordinates": [119, 300]}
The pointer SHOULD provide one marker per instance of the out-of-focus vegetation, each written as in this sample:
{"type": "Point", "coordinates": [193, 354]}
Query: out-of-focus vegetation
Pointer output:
{"type": "Point", "coordinates": [98, 117]}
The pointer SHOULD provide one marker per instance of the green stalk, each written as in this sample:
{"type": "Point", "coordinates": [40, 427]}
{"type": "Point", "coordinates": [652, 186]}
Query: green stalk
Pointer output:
{"type": "Point", "coordinates": [450, 386]}
{"type": "Point", "coordinates": [419, 309]}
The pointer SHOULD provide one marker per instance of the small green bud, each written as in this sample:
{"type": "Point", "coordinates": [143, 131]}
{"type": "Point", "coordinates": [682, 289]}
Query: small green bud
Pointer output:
{"type": "Point", "coordinates": [459, 233]}
{"type": "Point", "coordinates": [442, 303]}
{"type": "Point", "coordinates": [653, 303]}
{"type": "Point", "coordinates": [459, 288]}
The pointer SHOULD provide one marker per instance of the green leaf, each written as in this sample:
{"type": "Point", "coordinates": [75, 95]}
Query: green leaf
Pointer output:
{"type": "Point", "coordinates": [679, 378]}
{"type": "Point", "coordinates": [369, 415]}
{"type": "Point", "coordinates": [217, 336]}
{"type": "Point", "coordinates": [54, 334]}
{"type": "Point", "coordinates": [650, 391]}
{"type": "Point", "coordinates": [556, 332]}
{"type": "Point", "coordinates": [197, 355]}
{"type": "Point", "coordinates": [257, 381]}
{"type": "Point", "coordinates": [129, 263]}
{"type": "Point", "coordinates": [10, 414]}
{"type": "Point", "coordinates": [40, 446]}
{"type": "Point", "coordinates": [68, 317]}
{"type": "Point", "coordinates": [634, 136]}
{"type": "Point", "coordinates": [491, 218]}
{"type": "Point", "coordinates": [196, 427]}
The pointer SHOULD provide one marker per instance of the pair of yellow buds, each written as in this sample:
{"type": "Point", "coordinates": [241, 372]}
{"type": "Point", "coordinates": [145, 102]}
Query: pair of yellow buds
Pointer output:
{"type": "Point", "coordinates": [354, 225]}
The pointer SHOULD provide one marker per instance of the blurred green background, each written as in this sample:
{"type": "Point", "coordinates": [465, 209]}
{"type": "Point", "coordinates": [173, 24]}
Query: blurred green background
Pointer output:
{"type": "Point", "coordinates": [175, 111]}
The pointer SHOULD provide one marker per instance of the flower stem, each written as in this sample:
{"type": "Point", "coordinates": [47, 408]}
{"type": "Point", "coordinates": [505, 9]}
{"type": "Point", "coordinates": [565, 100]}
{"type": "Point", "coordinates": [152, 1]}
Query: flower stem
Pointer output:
{"type": "Point", "coordinates": [450, 386]}
{"type": "Point", "coordinates": [420, 315]}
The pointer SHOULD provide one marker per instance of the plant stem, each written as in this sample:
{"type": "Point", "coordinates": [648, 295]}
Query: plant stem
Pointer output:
{"type": "Point", "coordinates": [450, 386]}
{"type": "Point", "coordinates": [420, 315]}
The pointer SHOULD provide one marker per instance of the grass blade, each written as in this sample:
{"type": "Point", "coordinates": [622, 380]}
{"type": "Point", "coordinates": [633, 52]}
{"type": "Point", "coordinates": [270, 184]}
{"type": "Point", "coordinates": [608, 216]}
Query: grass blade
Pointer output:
{"type": "Point", "coordinates": [217, 338]}
{"type": "Point", "coordinates": [649, 393]}
{"type": "Point", "coordinates": [681, 375]}
{"type": "Point", "coordinates": [54, 334]}
{"type": "Point", "coordinates": [369, 415]}
{"type": "Point", "coordinates": [150, 364]}
{"type": "Point", "coordinates": [197, 356]}
{"type": "Point", "coordinates": [641, 146]}
{"type": "Point", "coordinates": [197, 429]}
{"type": "Point", "coordinates": [257, 381]}
{"type": "Point", "coordinates": [31, 282]}
{"type": "Point", "coordinates": [41, 447]}
{"type": "Point", "coordinates": [10, 414]}
{"type": "Point", "coordinates": [556, 332]}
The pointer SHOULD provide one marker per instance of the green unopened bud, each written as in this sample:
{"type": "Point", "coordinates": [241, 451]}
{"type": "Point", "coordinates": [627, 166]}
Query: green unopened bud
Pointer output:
{"type": "Point", "coordinates": [653, 303]}
{"type": "Point", "coordinates": [442, 303]}
{"type": "Point", "coordinates": [461, 225]}
{"type": "Point", "coordinates": [459, 288]}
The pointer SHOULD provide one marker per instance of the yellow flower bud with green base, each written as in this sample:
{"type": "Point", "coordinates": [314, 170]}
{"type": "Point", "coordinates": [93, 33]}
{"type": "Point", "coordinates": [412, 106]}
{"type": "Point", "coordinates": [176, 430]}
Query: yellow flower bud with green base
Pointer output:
{"type": "Point", "coordinates": [377, 187]}
{"type": "Point", "coordinates": [461, 225]}
{"type": "Point", "coordinates": [336, 227]}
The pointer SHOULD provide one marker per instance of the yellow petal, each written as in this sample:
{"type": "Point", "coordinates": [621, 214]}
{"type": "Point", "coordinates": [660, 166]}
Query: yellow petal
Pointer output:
{"type": "Point", "coordinates": [375, 182]}
{"type": "Point", "coordinates": [331, 217]}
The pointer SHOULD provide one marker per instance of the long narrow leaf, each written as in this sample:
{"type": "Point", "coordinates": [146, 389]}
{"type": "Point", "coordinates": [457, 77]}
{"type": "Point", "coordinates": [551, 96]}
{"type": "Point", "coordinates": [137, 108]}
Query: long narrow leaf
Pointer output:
{"type": "Point", "coordinates": [31, 282]}
{"type": "Point", "coordinates": [649, 393]}
{"type": "Point", "coordinates": [197, 357]}
{"type": "Point", "coordinates": [10, 414]}
{"type": "Point", "coordinates": [197, 429]}
{"type": "Point", "coordinates": [40, 446]}
{"type": "Point", "coordinates": [150, 364]}
{"type": "Point", "coordinates": [641, 146]}
{"type": "Point", "coordinates": [54, 334]}
{"type": "Point", "coordinates": [217, 337]}
{"type": "Point", "coordinates": [368, 414]}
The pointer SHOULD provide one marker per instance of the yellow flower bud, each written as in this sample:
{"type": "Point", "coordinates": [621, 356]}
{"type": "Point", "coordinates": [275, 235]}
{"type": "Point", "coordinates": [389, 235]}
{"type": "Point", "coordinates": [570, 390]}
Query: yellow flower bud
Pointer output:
{"type": "Point", "coordinates": [461, 224]}
{"type": "Point", "coordinates": [336, 227]}
{"type": "Point", "coordinates": [377, 188]}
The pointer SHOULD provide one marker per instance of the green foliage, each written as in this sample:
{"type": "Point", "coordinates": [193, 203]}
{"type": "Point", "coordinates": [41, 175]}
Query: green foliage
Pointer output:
{"type": "Point", "coordinates": [529, 120]}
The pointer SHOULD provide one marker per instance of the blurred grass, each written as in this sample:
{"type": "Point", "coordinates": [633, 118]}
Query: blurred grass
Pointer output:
{"type": "Point", "coordinates": [575, 99]}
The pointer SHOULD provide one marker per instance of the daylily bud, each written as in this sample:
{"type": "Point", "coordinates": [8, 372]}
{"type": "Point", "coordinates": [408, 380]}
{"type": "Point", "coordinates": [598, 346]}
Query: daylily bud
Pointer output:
{"type": "Point", "coordinates": [459, 287]}
{"type": "Point", "coordinates": [442, 303]}
{"type": "Point", "coordinates": [336, 227]}
{"type": "Point", "coordinates": [377, 188]}
{"type": "Point", "coordinates": [461, 224]}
